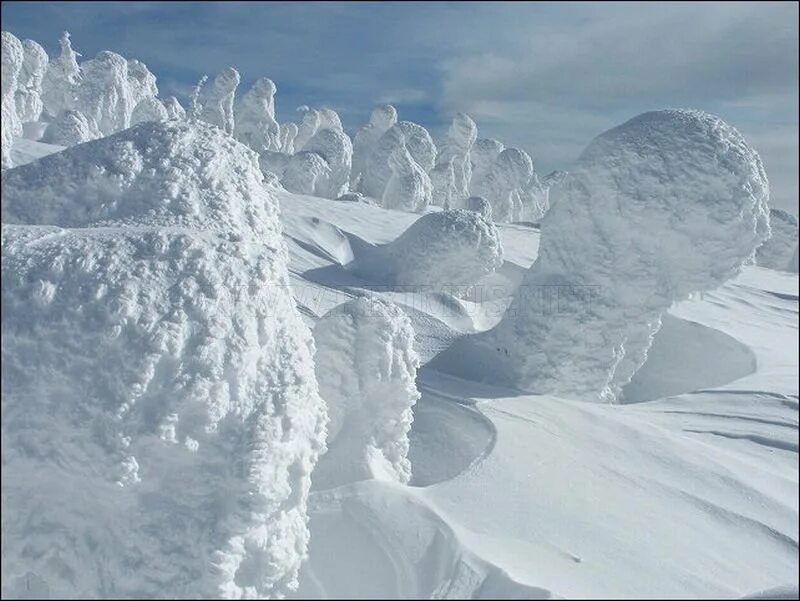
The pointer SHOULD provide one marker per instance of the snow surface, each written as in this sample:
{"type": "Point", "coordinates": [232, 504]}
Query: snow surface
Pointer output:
{"type": "Point", "coordinates": [157, 378]}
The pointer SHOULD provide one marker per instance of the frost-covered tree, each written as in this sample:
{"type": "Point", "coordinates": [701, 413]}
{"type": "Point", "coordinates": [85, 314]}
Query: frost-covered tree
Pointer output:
{"type": "Point", "coordinates": [480, 205]}
{"type": "Point", "coordinates": [217, 100]}
{"type": "Point", "coordinates": [174, 108]}
{"type": "Point", "coordinates": [288, 135]}
{"type": "Point", "coordinates": [70, 128]}
{"type": "Point", "coordinates": [141, 82]}
{"type": "Point", "coordinates": [483, 154]}
{"type": "Point", "coordinates": [335, 147]}
{"type": "Point", "coordinates": [669, 203]}
{"type": "Point", "coordinates": [329, 119]}
{"type": "Point", "coordinates": [447, 248]}
{"type": "Point", "coordinates": [105, 93]}
{"type": "Point", "coordinates": [12, 58]}
{"type": "Point", "coordinates": [255, 117]}
{"type": "Point", "coordinates": [381, 119]}
{"type": "Point", "coordinates": [149, 109]}
{"type": "Point", "coordinates": [306, 173]}
{"type": "Point", "coordinates": [456, 146]}
{"type": "Point", "coordinates": [409, 188]}
{"type": "Point", "coordinates": [776, 252]}
{"type": "Point", "coordinates": [443, 182]}
{"type": "Point", "coordinates": [309, 125]}
{"type": "Point", "coordinates": [29, 86]}
{"type": "Point", "coordinates": [366, 367]}
{"type": "Point", "coordinates": [61, 80]}
{"type": "Point", "coordinates": [504, 184]}
{"type": "Point", "coordinates": [157, 376]}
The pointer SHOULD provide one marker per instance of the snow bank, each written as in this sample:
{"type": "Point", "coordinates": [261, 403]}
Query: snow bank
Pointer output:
{"type": "Point", "coordinates": [335, 147]}
{"type": "Point", "coordinates": [160, 412]}
{"type": "Point", "coordinates": [366, 367]}
{"type": "Point", "coordinates": [380, 120]}
{"type": "Point", "coordinates": [217, 100]}
{"type": "Point", "coordinates": [456, 147]}
{"type": "Point", "coordinates": [776, 252]}
{"type": "Point", "coordinates": [70, 128]}
{"type": "Point", "coordinates": [669, 203]}
{"type": "Point", "coordinates": [61, 80]}
{"type": "Point", "coordinates": [452, 248]}
{"type": "Point", "coordinates": [12, 58]}
{"type": "Point", "coordinates": [504, 184]}
{"type": "Point", "coordinates": [255, 117]}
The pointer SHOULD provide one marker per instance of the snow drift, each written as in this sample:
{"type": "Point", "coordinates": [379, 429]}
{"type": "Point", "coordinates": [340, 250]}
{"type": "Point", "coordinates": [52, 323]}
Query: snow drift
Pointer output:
{"type": "Point", "coordinates": [669, 203]}
{"type": "Point", "coordinates": [160, 412]}
{"type": "Point", "coordinates": [366, 367]}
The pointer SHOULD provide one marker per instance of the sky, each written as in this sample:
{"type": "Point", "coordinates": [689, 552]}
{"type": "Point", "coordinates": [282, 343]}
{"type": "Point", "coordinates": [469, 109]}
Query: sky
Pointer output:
{"type": "Point", "coordinates": [545, 77]}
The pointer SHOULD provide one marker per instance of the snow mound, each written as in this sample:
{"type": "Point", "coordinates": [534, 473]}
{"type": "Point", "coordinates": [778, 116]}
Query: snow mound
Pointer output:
{"type": "Point", "coordinates": [669, 203]}
{"type": "Point", "coordinates": [335, 147]}
{"type": "Point", "coordinates": [452, 248]}
{"type": "Point", "coordinates": [306, 173]}
{"type": "Point", "coordinates": [504, 183]}
{"type": "Point", "coordinates": [29, 86]}
{"type": "Point", "coordinates": [217, 100]}
{"type": "Point", "coordinates": [161, 417]}
{"type": "Point", "coordinates": [70, 128]}
{"type": "Point", "coordinates": [380, 120]}
{"type": "Point", "coordinates": [255, 117]}
{"type": "Point", "coordinates": [366, 367]}
{"type": "Point", "coordinates": [777, 251]}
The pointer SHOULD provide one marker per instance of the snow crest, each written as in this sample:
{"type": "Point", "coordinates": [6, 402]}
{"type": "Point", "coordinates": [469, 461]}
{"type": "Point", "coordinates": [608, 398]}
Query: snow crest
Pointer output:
{"type": "Point", "coordinates": [157, 377]}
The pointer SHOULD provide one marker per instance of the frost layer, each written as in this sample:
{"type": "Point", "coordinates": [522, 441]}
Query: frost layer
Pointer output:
{"type": "Point", "coordinates": [669, 203]}
{"type": "Point", "coordinates": [366, 367]}
{"type": "Point", "coordinates": [161, 416]}
{"type": "Point", "coordinates": [447, 248]}
{"type": "Point", "coordinates": [777, 251]}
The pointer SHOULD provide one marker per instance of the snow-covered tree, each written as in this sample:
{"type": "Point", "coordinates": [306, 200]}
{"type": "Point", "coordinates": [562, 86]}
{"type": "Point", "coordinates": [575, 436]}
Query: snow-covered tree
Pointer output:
{"type": "Point", "coordinates": [335, 147]}
{"type": "Point", "coordinates": [456, 146]}
{"type": "Point", "coordinates": [306, 173]}
{"type": "Point", "coordinates": [409, 188]}
{"type": "Point", "coordinates": [381, 119]}
{"type": "Point", "coordinates": [29, 86]}
{"type": "Point", "coordinates": [70, 128]}
{"type": "Point", "coordinates": [61, 80]}
{"type": "Point", "coordinates": [504, 184]}
{"type": "Point", "coordinates": [776, 252]}
{"type": "Point", "coordinates": [255, 117]}
{"type": "Point", "coordinates": [217, 100]}
{"type": "Point", "coordinates": [12, 59]}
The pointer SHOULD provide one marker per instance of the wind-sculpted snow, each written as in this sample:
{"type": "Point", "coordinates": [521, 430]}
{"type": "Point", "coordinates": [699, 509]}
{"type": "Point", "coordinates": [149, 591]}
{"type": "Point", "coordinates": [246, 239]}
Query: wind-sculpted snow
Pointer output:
{"type": "Point", "coordinates": [776, 252]}
{"type": "Point", "coordinates": [149, 109]}
{"type": "Point", "coordinates": [70, 128]}
{"type": "Point", "coordinates": [380, 120]}
{"type": "Point", "coordinates": [61, 80]}
{"type": "Point", "coordinates": [452, 248]}
{"type": "Point", "coordinates": [504, 185]}
{"type": "Point", "coordinates": [161, 416]}
{"type": "Point", "coordinates": [335, 147]}
{"type": "Point", "coordinates": [409, 188]}
{"type": "Point", "coordinates": [669, 203]}
{"type": "Point", "coordinates": [483, 154]}
{"type": "Point", "coordinates": [456, 147]}
{"type": "Point", "coordinates": [366, 367]}
{"type": "Point", "coordinates": [306, 173]}
{"type": "Point", "coordinates": [217, 100]}
{"type": "Point", "coordinates": [12, 58]}
{"type": "Point", "coordinates": [378, 170]}
{"type": "Point", "coordinates": [174, 108]}
{"type": "Point", "coordinates": [255, 117]}
{"type": "Point", "coordinates": [29, 85]}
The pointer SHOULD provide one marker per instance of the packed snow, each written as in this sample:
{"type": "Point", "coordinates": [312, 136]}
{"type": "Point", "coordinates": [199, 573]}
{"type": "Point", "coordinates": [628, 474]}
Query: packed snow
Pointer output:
{"type": "Point", "coordinates": [252, 358]}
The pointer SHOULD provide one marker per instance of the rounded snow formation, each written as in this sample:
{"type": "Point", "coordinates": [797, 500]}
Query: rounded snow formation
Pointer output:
{"type": "Point", "coordinates": [409, 188]}
{"type": "Point", "coordinates": [480, 205]}
{"type": "Point", "coordinates": [378, 169]}
{"type": "Point", "coordinates": [454, 248]}
{"type": "Point", "coordinates": [61, 80]}
{"type": "Point", "coordinates": [29, 85]}
{"type": "Point", "coordinates": [777, 251]}
{"type": "Point", "coordinates": [670, 203]}
{"type": "Point", "coordinates": [174, 108]}
{"type": "Point", "coordinates": [157, 377]}
{"type": "Point", "coordinates": [217, 100]}
{"type": "Point", "coordinates": [456, 147]}
{"type": "Point", "coordinates": [70, 128]}
{"type": "Point", "coordinates": [255, 117]}
{"type": "Point", "coordinates": [149, 109]}
{"type": "Point", "coordinates": [12, 58]}
{"type": "Point", "coordinates": [306, 173]}
{"type": "Point", "coordinates": [505, 183]}
{"type": "Point", "coordinates": [366, 367]}
{"type": "Point", "coordinates": [482, 155]}
{"type": "Point", "coordinates": [335, 147]}
{"type": "Point", "coordinates": [380, 120]}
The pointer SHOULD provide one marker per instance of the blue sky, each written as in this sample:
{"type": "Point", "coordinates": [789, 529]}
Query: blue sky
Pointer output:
{"type": "Point", "coordinates": [546, 77]}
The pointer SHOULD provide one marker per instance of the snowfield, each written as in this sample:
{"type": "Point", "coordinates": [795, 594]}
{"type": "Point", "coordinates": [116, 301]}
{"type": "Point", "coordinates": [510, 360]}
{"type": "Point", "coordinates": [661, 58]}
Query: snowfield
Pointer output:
{"type": "Point", "coordinates": [221, 382]}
